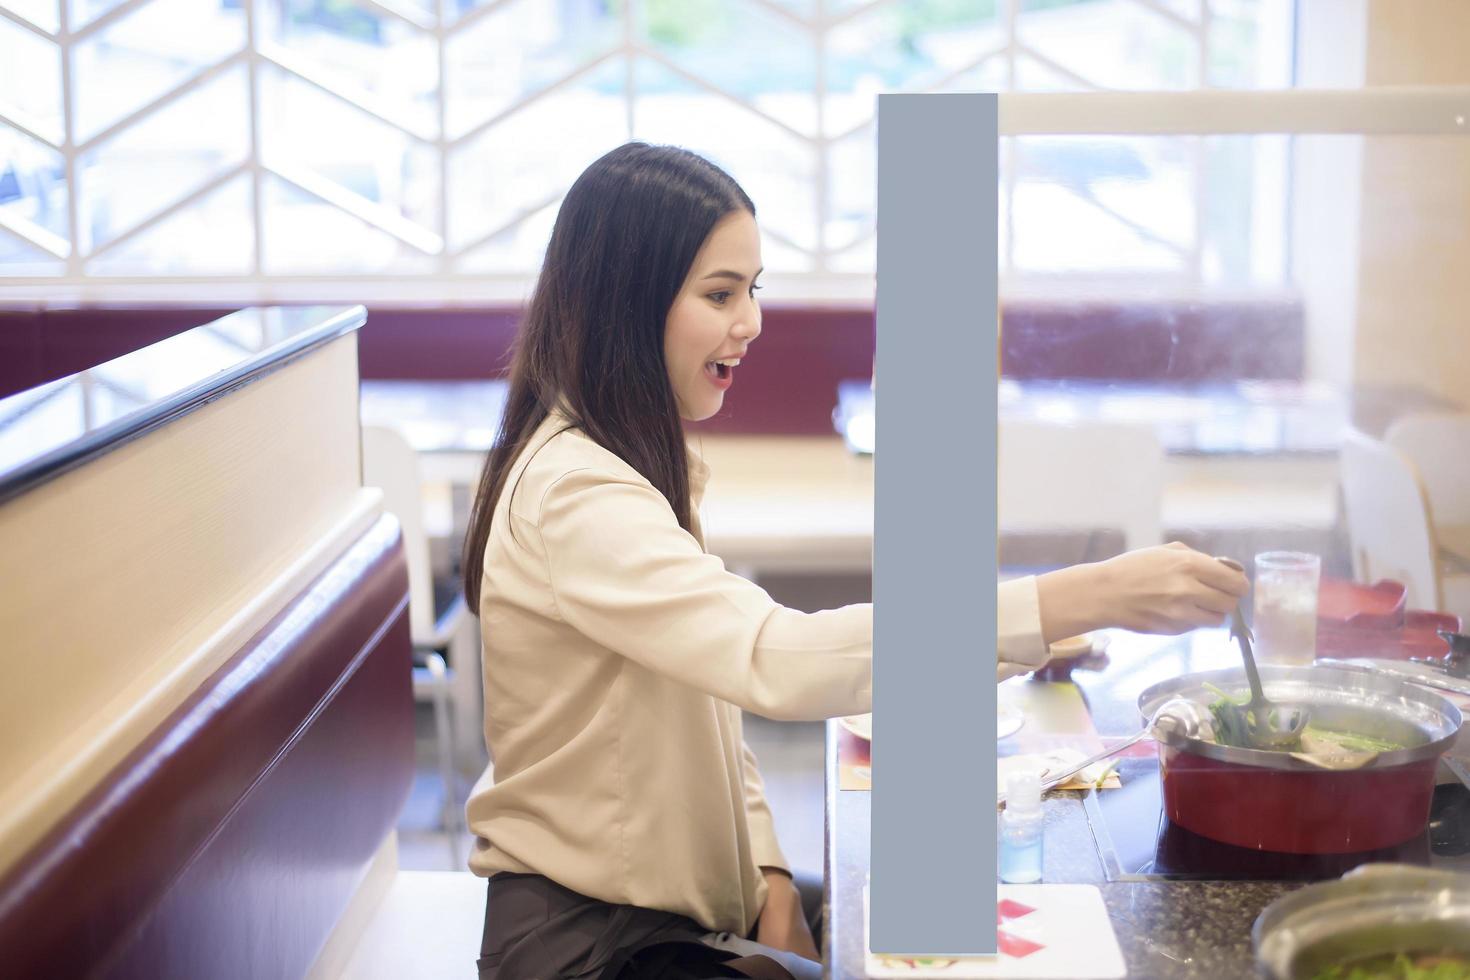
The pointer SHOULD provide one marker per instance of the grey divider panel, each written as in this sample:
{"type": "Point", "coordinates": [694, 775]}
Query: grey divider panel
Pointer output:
{"type": "Point", "coordinates": [934, 574]}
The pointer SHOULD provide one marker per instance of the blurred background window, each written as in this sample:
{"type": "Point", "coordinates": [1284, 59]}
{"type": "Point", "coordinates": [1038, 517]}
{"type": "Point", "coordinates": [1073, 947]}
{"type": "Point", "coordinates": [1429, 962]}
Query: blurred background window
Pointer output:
{"type": "Point", "coordinates": [257, 140]}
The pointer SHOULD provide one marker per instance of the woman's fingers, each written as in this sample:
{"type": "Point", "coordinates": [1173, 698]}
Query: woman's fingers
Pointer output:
{"type": "Point", "coordinates": [1214, 601]}
{"type": "Point", "coordinates": [1217, 575]}
{"type": "Point", "coordinates": [1170, 589]}
{"type": "Point", "coordinates": [1186, 618]}
{"type": "Point", "coordinates": [1210, 616]}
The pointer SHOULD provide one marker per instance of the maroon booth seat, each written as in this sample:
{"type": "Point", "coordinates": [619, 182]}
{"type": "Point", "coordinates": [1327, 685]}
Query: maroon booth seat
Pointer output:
{"type": "Point", "coordinates": [21, 363]}
{"type": "Point", "coordinates": [1154, 341]}
{"type": "Point", "coordinates": [74, 340]}
{"type": "Point", "coordinates": [789, 383]}
{"type": "Point", "coordinates": [38, 345]}
{"type": "Point", "coordinates": [228, 844]}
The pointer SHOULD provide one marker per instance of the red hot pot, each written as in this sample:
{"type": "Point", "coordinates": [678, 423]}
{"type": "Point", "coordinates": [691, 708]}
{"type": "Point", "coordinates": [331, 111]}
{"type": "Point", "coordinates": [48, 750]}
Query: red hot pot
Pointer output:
{"type": "Point", "coordinates": [1273, 801]}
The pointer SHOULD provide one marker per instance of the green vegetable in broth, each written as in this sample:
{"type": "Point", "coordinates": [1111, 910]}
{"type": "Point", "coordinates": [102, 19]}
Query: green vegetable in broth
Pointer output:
{"type": "Point", "coordinates": [1229, 725]}
{"type": "Point", "coordinates": [1401, 966]}
{"type": "Point", "coordinates": [1230, 730]}
{"type": "Point", "coordinates": [1351, 741]}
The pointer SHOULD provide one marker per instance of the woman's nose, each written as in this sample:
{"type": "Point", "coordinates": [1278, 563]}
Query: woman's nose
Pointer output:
{"type": "Point", "coordinates": [748, 327]}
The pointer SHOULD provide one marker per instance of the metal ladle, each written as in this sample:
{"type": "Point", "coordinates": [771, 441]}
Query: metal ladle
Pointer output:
{"type": "Point", "coordinates": [1270, 725]}
{"type": "Point", "coordinates": [1180, 715]}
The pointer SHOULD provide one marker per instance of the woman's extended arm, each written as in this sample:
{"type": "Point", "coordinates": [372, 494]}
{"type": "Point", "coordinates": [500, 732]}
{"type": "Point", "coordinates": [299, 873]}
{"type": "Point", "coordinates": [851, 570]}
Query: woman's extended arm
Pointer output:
{"type": "Point", "coordinates": [1165, 589]}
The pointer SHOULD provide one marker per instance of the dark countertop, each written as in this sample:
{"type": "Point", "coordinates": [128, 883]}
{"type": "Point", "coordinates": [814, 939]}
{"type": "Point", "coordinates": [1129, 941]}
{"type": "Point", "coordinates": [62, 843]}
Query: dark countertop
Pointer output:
{"type": "Point", "coordinates": [51, 429]}
{"type": "Point", "coordinates": [1168, 930]}
{"type": "Point", "coordinates": [1198, 930]}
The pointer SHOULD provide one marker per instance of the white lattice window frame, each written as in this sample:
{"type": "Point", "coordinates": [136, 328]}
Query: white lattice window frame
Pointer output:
{"type": "Point", "coordinates": [1397, 111]}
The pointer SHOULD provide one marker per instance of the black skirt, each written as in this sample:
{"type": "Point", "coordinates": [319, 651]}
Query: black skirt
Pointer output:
{"type": "Point", "coordinates": [537, 930]}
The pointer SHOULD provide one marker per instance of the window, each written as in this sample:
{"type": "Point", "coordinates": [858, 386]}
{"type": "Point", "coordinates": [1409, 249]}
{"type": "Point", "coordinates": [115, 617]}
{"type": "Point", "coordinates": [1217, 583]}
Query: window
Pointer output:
{"type": "Point", "coordinates": [276, 141]}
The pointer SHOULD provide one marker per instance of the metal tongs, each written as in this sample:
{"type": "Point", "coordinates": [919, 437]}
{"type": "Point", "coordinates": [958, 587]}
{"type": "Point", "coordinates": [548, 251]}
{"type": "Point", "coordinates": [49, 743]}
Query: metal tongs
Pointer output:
{"type": "Point", "coordinates": [1177, 715]}
{"type": "Point", "coordinates": [1270, 725]}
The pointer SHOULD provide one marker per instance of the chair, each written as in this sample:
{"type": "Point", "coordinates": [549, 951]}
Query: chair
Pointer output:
{"type": "Point", "coordinates": [437, 627]}
{"type": "Point", "coordinates": [1438, 444]}
{"type": "Point", "coordinates": [1390, 527]}
{"type": "Point", "coordinates": [1083, 476]}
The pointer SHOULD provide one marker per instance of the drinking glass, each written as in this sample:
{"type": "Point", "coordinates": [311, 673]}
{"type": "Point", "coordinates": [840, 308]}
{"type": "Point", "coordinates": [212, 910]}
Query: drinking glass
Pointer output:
{"type": "Point", "coordinates": [1285, 607]}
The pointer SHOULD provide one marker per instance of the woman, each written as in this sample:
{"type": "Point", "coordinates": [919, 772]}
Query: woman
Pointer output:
{"type": "Point", "coordinates": [625, 828]}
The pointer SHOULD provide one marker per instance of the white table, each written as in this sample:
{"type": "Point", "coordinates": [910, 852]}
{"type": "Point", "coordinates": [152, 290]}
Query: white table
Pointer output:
{"type": "Point", "coordinates": [452, 425]}
{"type": "Point", "coordinates": [788, 504]}
{"type": "Point", "coordinates": [805, 503]}
{"type": "Point", "coordinates": [775, 503]}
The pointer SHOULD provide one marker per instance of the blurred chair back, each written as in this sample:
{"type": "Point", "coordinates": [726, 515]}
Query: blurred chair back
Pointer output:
{"type": "Point", "coordinates": [446, 640]}
{"type": "Point", "coordinates": [389, 462]}
{"type": "Point", "coordinates": [1388, 519]}
{"type": "Point", "coordinates": [1088, 476]}
{"type": "Point", "coordinates": [1438, 444]}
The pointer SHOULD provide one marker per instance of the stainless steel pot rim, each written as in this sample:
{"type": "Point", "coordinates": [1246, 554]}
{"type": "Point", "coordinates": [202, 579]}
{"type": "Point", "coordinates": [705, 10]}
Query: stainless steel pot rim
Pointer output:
{"type": "Point", "coordinates": [1436, 717]}
{"type": "Point", "coordinates": [1373, 895]}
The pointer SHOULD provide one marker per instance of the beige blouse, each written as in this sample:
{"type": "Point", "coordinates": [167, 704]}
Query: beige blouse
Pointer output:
{"type": "Point", "coordinates": [617, 658]}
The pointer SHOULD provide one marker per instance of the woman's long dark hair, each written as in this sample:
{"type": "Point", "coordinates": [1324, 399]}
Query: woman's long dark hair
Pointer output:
{"type": "Point", "coordinates": [593, 335]}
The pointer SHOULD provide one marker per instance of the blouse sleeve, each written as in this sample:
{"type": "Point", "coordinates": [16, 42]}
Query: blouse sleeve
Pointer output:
{"type": "Point", "coordinates": [624, 572]}
{"type": "Point", "coordinates": [1018, 645]}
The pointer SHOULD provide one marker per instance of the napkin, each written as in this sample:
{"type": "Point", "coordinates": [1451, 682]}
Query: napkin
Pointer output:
{"type": "Point", "coordinates": [1099, 774]}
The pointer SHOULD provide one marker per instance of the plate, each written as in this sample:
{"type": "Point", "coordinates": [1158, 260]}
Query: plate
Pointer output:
{"type": "Point", "coordinates": [859, 725]}
{"type": "Point", "coordinates": [1059, 668]}
{"type": "Point", "coordinates": [1075, 647]}
{"type": "Point", "coordinates": [1072, 646]}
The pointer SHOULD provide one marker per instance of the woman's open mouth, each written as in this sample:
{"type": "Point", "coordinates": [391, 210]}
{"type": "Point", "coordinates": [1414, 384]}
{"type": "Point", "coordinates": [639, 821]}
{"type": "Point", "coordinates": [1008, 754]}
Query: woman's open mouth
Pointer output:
{"type": "Point", "coordinates": [721, 372]}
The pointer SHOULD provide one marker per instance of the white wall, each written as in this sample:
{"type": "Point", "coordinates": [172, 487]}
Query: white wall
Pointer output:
{"type": "Point", "coordinates": [1332, 38]}
{"type": "Point", "coordinates": [1414, 242]}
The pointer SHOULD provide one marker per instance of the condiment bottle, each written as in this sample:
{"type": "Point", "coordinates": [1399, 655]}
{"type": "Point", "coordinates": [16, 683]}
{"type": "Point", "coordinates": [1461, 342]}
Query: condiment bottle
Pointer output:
{"type": "Point", "coordinates": [1021, 825]}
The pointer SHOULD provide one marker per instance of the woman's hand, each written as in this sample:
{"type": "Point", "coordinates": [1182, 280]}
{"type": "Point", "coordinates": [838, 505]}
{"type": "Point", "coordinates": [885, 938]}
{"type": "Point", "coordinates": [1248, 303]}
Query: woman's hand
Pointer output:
{"type": "Point", "coordinates": [1165, 589]}
{"type": "Point", "coordinates": [782, 923]}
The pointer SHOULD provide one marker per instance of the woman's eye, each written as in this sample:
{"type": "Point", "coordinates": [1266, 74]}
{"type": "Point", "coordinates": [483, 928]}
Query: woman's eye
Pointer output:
{"type": "Point", "coordinates": [721, 297]}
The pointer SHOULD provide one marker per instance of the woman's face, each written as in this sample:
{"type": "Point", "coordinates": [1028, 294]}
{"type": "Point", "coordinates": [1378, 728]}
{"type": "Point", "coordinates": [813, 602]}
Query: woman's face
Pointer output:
{"type": "Point", "coordinates": [715, 316]}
